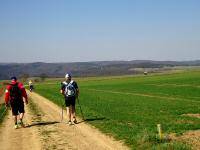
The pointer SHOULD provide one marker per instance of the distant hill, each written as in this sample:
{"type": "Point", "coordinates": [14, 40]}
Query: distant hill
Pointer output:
{"type": "Point", "coordinates": [82, 69]}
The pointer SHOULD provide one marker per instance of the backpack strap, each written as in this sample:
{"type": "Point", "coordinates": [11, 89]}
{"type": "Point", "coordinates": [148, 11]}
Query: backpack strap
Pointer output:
{"type": "Point", "coordinates": [16, 84]}
{"type": "Point", "coordinates": [71, 82]}
{"type": "Point", "coordinates": [64, 82]}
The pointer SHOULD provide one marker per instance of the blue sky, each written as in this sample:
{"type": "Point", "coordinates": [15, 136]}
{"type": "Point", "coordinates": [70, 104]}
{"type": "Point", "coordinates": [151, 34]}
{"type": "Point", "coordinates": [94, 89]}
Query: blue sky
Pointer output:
{"type": "Point", "coordinates": [95, 30]}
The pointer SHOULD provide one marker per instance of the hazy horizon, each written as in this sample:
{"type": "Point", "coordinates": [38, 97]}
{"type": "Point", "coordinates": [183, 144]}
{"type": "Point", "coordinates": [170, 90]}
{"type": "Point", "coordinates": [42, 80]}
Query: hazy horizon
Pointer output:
{"type": "Point", "coordinates": [99, 61]}
{"type": "Point", "coordinates": [84, 31]}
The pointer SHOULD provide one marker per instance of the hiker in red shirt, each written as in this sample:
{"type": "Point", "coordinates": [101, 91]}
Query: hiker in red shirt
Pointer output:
{"type": "Point", "coordinates": [15, 92]}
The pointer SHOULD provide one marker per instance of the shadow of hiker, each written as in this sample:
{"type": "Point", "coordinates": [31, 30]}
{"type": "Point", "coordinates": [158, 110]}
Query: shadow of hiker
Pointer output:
{"type": "Point", "coordinates": [91, 119]}
{"type": "Point", "coordinates": [41, 124]}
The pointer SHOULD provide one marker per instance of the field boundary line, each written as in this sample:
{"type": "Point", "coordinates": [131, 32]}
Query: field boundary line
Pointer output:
{"type": "Point", "coordinates": [48, 83]}
{"type": "Point", "coordinates": [144, 95]}
{"type": "Point", "coordinates": [176, 85]}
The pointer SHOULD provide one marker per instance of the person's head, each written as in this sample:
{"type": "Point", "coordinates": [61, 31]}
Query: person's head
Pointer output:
{"type": "Point", "coordinates": [68, 77]}
{"type": "Point", "coordinates": [13, 78]}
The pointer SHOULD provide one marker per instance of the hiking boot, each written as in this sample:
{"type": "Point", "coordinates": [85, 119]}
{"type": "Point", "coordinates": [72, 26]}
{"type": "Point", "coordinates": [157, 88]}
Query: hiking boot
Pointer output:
{"type": "Point", "coordinates": [21, 124]}
{"type": "Point", "coordinates": [69, 123]}
{"type": "Point", "coordinates": [16, 126]}
{"type": "Point", "coordinates": [75, 121]}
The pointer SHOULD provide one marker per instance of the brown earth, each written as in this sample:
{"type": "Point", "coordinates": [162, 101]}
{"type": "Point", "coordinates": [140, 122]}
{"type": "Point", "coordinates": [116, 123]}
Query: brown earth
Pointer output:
{"type": "Point", "coordinates": [192, 115]}
{"type": "Point", "coordinates": [44, 130]}
{"type": "Point", "coordinates": [2, 99]}
{"type": "Point", "coordinates": [191, 138]}
{"type": "Point", "coordinates": [2, 95]}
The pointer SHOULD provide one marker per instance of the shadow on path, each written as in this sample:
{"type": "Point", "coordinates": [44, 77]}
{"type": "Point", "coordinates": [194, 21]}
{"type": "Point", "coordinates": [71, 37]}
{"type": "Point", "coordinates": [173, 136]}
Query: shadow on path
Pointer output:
{"type": "Point", "coordinates": [41, 124]}
{"type": "Point", "coordinates": [91, 119]}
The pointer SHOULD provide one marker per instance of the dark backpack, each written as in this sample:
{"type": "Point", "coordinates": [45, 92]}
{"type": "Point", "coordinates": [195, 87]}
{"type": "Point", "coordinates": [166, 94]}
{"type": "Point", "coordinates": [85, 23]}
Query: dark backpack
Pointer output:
{"type": "Point", "coordinates": [15, 92]}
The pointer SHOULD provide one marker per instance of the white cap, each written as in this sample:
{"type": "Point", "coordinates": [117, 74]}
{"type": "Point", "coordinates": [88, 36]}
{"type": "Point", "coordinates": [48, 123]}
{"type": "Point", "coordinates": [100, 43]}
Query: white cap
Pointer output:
{"type": "Point", "coordinates": [67, 75]}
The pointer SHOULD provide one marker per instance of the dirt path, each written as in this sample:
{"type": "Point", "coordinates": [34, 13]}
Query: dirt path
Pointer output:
{"type": "Point", "coordinates": [45, 131]}
{"type": "Point", "coordinates": [2, 99]}
{"type": "Point", "coordinates": [18, 139]}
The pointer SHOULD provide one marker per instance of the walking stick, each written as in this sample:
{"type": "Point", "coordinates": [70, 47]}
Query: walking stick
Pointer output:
{"type": "Point", "coordinates": [80, 109]}
{"type": "Point", "coordinates": [62, 112]}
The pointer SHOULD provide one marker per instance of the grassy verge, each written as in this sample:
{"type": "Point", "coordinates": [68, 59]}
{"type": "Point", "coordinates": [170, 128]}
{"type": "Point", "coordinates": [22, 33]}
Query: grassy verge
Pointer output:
{"type": "Point", "coordinates": [2, 106]}
{"type": "Point", "coordinates": [36, 112]}
{"type": "Point", "coordinates": [2, 112]}
{"type": "Point", "coordinates": [39, 121]}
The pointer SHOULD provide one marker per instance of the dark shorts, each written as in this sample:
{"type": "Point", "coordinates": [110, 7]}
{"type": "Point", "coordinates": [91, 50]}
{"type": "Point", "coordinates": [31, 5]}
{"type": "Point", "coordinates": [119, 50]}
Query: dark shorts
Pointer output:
{"type": "Point", "coordinates": [17, 107]}
{"type": "Point", "coordinates": [70, 101]}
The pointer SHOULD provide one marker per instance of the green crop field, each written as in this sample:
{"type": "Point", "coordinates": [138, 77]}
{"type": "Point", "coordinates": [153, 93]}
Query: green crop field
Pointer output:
{"type": "Point", "coordinates": [2, 112]}
{"type": "Point", "coordinates": [130, 107]}
{"type": "Point", "coordinates": [1, 89]}
{"type": "Point", "coordinates": [2, 106]}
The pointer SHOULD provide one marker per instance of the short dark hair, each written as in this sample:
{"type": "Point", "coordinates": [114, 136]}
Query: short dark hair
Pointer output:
{"type": "Point", "coordinates": [13, 78]}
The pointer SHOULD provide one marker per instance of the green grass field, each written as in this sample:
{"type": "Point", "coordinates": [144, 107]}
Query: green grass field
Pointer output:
{"type": "Point", "coordinates": [1, 89]}
{"type": "Point", "coordinates": [2, 106]}
{"type": "Point", "coordinates": [2, 112]}
{"type": "Point", "coordinates": [130, 107]}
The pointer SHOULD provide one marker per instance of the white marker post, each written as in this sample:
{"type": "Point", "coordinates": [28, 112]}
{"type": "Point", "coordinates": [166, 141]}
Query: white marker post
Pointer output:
{"type": "Point", "coordinates": [159, 131]}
